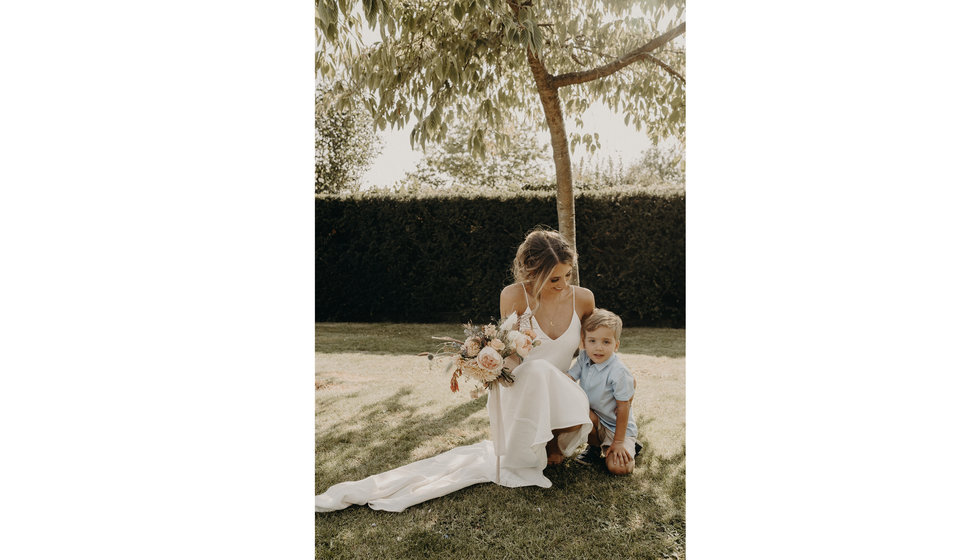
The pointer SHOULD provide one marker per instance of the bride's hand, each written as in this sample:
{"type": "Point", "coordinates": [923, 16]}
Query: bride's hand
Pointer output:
{"type": "Point", "coordinates": [511, 362]}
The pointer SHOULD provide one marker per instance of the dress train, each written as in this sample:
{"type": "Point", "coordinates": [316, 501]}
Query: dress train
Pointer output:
{"type": "Point", "coordinates": [522, 417]}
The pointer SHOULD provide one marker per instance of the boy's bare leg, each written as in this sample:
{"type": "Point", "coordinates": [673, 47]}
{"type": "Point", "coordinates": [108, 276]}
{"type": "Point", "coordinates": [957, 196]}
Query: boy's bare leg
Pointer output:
{"type": "Point", "coordinates": [555, 456]}
{"type": "Point", "coordinates": [594, 434]}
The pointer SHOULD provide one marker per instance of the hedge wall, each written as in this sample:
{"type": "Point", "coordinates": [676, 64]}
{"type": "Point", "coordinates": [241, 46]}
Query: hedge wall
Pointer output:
{"type": "Point", "coordinates": [386, 257]}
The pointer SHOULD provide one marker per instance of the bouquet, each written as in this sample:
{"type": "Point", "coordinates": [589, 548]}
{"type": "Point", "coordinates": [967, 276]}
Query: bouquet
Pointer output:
{"type": "Point", "coordinates": [480, 355]}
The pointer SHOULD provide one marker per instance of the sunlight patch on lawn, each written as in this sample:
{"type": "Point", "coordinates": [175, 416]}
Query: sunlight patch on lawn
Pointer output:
{"type": "Point", "coordinates": [422, 389]}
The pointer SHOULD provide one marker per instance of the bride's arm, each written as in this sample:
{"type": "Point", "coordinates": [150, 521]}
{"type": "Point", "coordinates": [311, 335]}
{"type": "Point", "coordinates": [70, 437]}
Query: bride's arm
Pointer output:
{"type": "Point", "coordinates": [584, 302]}
{"type": "Point", "coordinates": [511, 299]}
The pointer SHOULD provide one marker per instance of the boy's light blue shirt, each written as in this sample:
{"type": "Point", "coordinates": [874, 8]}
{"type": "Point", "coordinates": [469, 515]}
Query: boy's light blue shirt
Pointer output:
{"type": "Point", "coordinates": [605, 384]}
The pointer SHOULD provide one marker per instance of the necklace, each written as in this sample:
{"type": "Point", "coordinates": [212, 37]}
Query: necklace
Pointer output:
{"type": "Point", "coordinates": [558, 301]}
{"type": "Point", "coordinates": [551, 320]}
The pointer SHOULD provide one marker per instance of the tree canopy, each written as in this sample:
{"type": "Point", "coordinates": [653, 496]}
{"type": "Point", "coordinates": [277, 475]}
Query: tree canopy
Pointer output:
{"type": "Point", "coordinates": [486, 64]}
{"type": "Point", "coordinates": [451, 165]}
{"type": "Point", "coordinates": [465, 61]}
{"type": "Point", "coordinates": [345, 145]}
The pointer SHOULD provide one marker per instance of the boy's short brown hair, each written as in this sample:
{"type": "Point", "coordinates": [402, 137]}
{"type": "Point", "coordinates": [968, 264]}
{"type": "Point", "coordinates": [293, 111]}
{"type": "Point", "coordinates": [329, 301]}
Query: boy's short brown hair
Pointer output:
{"type": "Point", "coordinates": [603, 318]}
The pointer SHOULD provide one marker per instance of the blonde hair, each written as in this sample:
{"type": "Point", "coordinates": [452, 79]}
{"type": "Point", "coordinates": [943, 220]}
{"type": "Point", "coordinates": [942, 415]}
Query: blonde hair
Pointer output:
{"type": "Point", "coordinates": [603, 318]}
{"type": "Point", "coordinates": [539, 254]}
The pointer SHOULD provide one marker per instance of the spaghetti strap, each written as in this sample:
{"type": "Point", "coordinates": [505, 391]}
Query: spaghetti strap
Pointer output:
{"type": "Point", "coordinates": [574, 312]}
{"type": "Point", "coordinates": [524, 318]}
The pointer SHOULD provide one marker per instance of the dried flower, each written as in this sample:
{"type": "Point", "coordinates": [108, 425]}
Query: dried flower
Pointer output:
{"type": "Point", "coordinates": [471, 347]}
{"type": "Point", "coordinates": [509, 322]}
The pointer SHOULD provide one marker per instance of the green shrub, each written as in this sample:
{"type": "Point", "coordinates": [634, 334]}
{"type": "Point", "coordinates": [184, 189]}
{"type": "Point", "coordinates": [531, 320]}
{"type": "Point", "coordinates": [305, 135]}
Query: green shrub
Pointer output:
{"type": "Point", "coordinates": [442, 257]}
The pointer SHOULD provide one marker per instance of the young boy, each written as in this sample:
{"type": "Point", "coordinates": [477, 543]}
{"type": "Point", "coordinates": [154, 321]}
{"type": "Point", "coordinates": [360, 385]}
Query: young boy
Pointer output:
{"type": "Point", "coordinates": [610, 386]}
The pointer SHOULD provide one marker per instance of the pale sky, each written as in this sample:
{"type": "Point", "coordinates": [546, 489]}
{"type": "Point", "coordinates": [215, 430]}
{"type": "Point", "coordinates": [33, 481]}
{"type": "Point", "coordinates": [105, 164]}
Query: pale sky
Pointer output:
{"type": "Point", "coordinates": [617, 140]}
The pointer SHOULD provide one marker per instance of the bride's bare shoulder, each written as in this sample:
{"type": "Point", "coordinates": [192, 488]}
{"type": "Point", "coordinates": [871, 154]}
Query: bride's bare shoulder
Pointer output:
{"type": "Point", "coordinates": [585, 301]}
{"type": "Point", "coordinates": [512, 292]}
{"type": "Point", "coordinates": [512, 298]}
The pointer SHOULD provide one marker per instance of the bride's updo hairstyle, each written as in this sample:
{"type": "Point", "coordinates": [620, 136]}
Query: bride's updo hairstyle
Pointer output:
{"type": "Point", "coordinates": [539, 254]}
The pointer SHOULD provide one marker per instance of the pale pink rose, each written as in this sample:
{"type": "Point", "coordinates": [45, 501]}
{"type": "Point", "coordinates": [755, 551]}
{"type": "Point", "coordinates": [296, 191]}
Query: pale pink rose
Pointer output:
{"type": "Point", "coordinates": [523, 344]}
{"type": "Point", "coordinates": [530, 333]}
{"type": "Point", "coordinates": [472, 370]}
{"type": "Point", "coordinates": [497, 345]}
{"type": "Point", "coordinates": [490, 360]}
{"type": "Point", "coordinates": [490, 330]}
{"type": "Point", "coordinates": [471, 347]}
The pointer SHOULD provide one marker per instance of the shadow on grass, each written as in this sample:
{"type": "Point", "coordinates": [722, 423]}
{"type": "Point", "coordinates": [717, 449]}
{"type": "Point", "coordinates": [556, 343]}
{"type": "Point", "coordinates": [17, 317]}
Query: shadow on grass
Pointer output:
{"type": "Point", "coordinates": [382, 435]}
{"type": "Point", "coordinates": [670, 475]}
{"type": "Point", "coordinates": [587, 513]}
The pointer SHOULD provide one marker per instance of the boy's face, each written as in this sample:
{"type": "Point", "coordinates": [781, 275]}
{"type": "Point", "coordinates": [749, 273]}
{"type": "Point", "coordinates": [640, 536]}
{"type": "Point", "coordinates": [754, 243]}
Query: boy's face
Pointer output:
{"type": "Point", "coordinates": [601, 344]}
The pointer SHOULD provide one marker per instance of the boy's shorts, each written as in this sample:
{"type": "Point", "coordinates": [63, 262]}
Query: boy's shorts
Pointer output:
{"type": "Point", "coordinates": [606, 437]}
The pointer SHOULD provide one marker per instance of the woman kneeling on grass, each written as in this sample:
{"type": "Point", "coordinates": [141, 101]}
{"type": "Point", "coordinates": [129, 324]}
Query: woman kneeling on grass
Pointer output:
{"type": "Point", "coordinates": [543, 416]}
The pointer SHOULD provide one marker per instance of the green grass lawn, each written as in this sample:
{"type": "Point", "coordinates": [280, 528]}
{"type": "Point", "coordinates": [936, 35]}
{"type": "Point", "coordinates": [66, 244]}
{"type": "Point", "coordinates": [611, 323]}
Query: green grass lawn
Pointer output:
{"type": "Point", "coordinates": [412, 338]}
{"type": "Point", "coordinates": [378, 406]}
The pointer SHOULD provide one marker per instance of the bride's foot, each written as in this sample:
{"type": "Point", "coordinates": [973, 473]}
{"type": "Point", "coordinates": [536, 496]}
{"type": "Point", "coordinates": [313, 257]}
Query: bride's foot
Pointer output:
{"type": "Point", "coordinates": [555, 456]}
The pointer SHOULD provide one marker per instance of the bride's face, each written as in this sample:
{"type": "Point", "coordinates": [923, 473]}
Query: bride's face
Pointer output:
{"type": "Point", "coordinates": [559, 279]}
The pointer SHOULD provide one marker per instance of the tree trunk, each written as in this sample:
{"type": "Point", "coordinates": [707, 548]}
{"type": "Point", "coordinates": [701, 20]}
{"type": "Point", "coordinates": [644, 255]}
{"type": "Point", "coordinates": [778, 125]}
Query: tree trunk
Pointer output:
{"type": "Point", "coordinates": [559, 147]}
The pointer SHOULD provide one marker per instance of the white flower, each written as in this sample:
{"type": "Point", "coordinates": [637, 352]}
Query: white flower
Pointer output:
{"type": "Point", "coordinates": [509, 322]}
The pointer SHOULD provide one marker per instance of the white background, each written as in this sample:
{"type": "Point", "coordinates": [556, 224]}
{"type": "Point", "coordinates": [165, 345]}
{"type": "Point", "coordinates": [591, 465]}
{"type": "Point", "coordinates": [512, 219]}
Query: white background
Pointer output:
{"type": "Point", "coordinates": [156, 227]}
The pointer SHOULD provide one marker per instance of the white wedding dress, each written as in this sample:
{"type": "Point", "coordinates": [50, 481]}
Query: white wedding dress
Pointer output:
{"type": "Point", "coordinates": [522, 416]}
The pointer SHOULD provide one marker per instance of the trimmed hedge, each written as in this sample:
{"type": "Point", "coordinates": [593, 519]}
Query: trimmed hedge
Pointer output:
{"type": "Point", "coordinates": [445, 258]}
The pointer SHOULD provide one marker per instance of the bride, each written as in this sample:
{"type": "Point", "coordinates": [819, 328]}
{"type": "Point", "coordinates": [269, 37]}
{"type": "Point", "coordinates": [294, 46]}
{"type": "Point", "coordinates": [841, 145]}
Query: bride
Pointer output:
{"type": "Point", "coordinates": [537, 421]}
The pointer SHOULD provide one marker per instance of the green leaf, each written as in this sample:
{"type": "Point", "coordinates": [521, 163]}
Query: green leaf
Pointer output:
{"type": "Point", "coordinates": [371, 11]}
{"type": "Point", "coordinates": [536, 39]}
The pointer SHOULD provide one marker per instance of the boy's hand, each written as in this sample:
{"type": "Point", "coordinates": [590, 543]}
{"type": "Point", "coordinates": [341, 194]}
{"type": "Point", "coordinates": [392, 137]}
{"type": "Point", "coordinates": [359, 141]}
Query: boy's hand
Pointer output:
{"type": "Point", "coordinates": [617, 453]}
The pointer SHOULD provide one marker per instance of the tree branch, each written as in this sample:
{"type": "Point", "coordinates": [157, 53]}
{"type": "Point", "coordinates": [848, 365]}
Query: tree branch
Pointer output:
{"type": "Point", "coordinates": [588, 50]}
{"type": "Point", "coordinates": [667, 68]}
{"type": "Point", "coordinates": [640, 53]}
